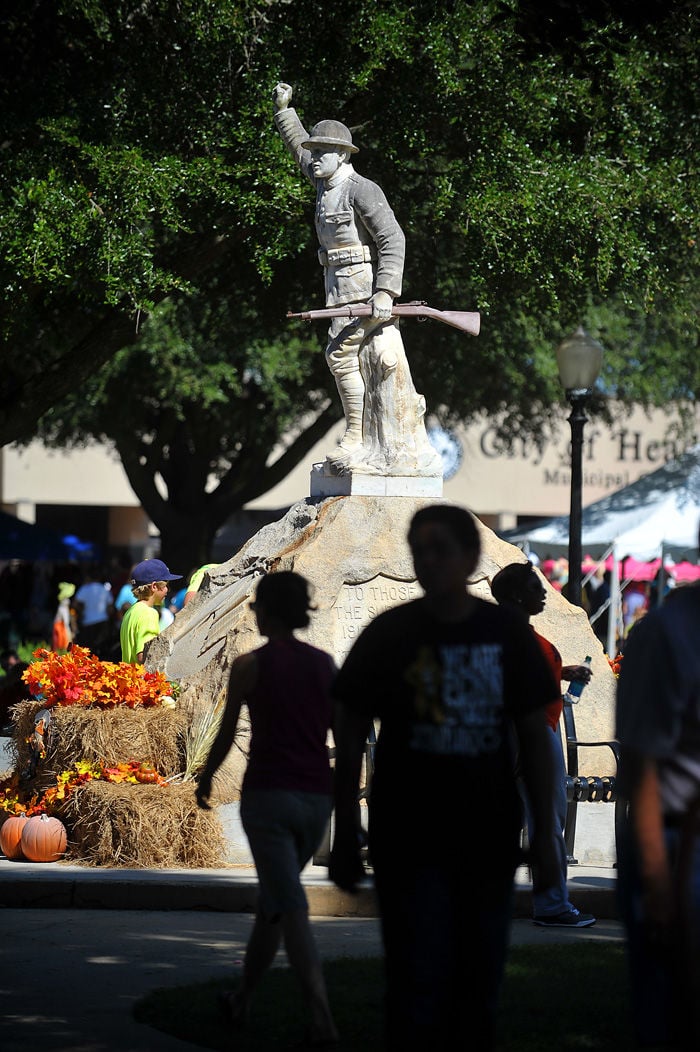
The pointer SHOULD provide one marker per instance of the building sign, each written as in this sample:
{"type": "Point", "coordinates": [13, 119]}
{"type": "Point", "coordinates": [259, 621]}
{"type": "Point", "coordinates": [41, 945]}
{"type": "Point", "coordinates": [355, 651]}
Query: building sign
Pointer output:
{"type": "Point", "coordinates": [629, 447]}
{"type": "Point", "coordinates": [531, 478]}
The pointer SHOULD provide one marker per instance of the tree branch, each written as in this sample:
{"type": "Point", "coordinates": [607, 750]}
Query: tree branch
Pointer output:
{"type": "Point", "coordinates": [230, 495]}
{"type": "Point", "coordinates": [141, 479]}
{"type": "Point", "coordinates": [37, 391]}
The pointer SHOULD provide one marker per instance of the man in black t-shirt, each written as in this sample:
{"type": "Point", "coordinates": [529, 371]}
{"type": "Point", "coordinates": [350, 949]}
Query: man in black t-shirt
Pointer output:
{"type": "Point", "coordinates": [459, 686]}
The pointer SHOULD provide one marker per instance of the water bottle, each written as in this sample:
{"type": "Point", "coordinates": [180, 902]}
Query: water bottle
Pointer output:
{"type": "Point", "coordinates": [576, 686]}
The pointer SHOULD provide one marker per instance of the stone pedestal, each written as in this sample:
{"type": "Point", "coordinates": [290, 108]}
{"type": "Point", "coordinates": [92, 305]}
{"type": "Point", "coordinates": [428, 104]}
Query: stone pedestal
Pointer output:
{"type": "Point", "coordinates": [594, 844]}
{"type": "Point", "coordinates": [353, 484]}
{"type": "Point", "coordinates": [6, 757]}
{"type": "Point", "coordinates": [353, 550]}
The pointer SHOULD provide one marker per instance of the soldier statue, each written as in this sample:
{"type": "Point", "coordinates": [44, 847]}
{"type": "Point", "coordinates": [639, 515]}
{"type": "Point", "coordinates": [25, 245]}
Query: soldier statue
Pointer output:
{"type": "Point", "coordinates": [362, 249]}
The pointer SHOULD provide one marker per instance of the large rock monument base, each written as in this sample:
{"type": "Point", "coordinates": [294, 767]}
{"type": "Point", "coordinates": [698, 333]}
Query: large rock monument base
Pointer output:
{"type": "Point", "coordinates": [353, 550]}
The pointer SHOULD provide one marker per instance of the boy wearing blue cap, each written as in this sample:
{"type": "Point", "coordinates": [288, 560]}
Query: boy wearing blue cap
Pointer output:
{"type": "Point", "coordinates": [141, 622]}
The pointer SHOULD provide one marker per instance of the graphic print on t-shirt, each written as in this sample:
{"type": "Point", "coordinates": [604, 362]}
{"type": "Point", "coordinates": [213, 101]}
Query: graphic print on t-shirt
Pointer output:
{"type": "Point", "coordinates": [458, 699]}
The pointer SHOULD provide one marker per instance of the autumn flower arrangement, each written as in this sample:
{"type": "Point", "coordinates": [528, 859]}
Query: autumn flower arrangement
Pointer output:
{"type": "Point", "coordinates": [78, 677]}
{"type": "Point", "coordinates": [16, 799]}
{"type": "Point", "coordinates": [616, 664]}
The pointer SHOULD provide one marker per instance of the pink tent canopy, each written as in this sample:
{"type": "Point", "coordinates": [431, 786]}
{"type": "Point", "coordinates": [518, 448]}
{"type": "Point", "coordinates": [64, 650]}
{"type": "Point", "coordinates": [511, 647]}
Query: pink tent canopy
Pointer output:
{"type": "Point", "coordinates": [685, 571]}
{"type": "Point", "coordinates": [630, 569]}
{"type": "Point", "coordinates": [633, 570]}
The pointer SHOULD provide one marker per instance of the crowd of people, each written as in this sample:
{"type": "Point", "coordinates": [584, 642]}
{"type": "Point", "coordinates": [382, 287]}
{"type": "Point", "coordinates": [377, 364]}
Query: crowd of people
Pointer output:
{"type": "Point", "coordinates": [467, 697]}
{"type": "Point", "coordinates": [60, 604]}
{"type": "Point", "coordinates": [637, 596]}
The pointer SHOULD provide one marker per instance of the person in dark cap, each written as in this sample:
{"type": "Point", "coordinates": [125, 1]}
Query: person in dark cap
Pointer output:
{"type": "Point", "coordinates": [141, 622]}
{"type": "Point", "coordinates": [362, 251]}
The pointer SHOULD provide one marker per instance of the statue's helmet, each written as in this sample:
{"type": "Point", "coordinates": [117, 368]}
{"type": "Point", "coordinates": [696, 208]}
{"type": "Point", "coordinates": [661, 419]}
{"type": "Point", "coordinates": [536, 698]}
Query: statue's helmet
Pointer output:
{"type": "Point", "coordinates": [330, 133]}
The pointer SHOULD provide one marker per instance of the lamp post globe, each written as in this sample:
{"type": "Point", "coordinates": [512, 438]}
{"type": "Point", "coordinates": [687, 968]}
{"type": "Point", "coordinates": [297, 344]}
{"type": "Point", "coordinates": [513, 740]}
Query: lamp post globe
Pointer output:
{"type": "Point", "coordinates": [579, 360]}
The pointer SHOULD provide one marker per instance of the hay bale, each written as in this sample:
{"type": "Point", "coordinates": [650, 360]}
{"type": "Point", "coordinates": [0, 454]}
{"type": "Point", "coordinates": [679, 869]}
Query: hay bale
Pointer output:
{"type": "Point", "coordinates": [142, 826]}
{"type": "Point", "coordinates": [150, 735]}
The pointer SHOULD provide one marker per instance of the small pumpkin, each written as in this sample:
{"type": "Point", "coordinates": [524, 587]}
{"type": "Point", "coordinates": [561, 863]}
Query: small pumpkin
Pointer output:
{"type": "Point", "coordinates": [11, 836]}
{"type": "Point", "coordinates": [44, 839]}
{"type": "Point", "coordinates": [145, 774]}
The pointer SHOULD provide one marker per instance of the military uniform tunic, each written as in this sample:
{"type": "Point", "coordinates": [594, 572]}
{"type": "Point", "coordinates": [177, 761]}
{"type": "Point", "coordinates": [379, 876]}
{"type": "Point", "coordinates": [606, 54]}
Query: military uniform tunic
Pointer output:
{"type": "Point", "coordinates": [362, 245]}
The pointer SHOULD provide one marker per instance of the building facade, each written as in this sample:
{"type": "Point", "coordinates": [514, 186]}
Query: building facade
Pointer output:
{"type": "Point", "coordinates": [86, 492]}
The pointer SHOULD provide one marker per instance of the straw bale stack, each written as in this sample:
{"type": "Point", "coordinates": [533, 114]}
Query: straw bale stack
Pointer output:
{"type": "Point", "coordinates": [151, 735]}
{"type": "Point", "coordinates": [124, 824]}
{"type": "Point", "coordinates": [142, 826]}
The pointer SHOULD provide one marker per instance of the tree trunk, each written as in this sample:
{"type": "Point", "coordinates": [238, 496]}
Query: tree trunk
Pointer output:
{"type": "Point", "coordinates": [185, 540]}
{"type": "Point", "coordinates": [189, 517]}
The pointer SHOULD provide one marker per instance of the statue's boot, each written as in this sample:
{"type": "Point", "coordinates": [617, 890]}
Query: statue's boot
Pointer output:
{"type": "Point", "coordinates": [351, 389]}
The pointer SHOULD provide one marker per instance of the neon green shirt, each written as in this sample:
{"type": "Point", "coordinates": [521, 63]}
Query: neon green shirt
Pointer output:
{"type": "Point", "coordinates": [140, 623]}
{"type": "Point", "coordinates": [198, 576]}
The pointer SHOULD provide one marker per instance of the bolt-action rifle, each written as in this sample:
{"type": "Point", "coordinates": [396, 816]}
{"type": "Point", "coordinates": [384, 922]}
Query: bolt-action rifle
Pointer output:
{"type": "Point", "coordinates": [466, 321]}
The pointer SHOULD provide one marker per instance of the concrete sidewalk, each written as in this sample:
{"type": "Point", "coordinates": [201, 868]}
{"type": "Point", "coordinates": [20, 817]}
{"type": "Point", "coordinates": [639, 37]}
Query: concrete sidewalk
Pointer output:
{"type": "Point", "coordinates": [233, 889]}
{"type": "Point", "coordinates": [80, 946]}
{"type": "Point", "coordinates": [71, 977]}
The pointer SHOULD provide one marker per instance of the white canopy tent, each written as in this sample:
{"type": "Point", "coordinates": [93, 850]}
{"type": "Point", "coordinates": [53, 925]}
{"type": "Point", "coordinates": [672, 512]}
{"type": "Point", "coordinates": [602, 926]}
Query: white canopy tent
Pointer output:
{"type": "Point", "coordinates": [658, 516]}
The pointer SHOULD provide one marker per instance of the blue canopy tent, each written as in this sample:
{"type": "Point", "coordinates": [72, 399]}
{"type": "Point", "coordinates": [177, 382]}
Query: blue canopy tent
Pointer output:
{"type": "Point", "coordinates": [24, 540]}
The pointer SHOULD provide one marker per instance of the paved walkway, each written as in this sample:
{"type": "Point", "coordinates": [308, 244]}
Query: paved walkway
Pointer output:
{"type": "Point", "coordinates": [71, 977]}
{"type": "Point", "coordinates": [81, 946]}
{"type": "Point", "coordinates": [232, 889]}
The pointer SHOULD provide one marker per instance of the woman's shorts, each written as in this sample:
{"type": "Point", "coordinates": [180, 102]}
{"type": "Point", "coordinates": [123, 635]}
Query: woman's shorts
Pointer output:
{"type": "Point", "coordinates": [284, 828]}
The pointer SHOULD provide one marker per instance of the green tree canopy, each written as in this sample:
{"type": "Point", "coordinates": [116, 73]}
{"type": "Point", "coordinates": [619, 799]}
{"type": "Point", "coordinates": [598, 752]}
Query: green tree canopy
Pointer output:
{"type": "Point", "coordinates": [196, 411]}
{"type": "Point", "coordinates": [544, 171]}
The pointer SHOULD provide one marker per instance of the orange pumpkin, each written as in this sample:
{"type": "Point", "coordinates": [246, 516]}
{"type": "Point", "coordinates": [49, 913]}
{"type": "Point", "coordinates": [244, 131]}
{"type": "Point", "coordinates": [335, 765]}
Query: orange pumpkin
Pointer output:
{"type": "Point", "coordinates": [146, 774]}
{"type": "Point", "coordinates": [11, 836]}
{"type": "Point", "coordinates": [44, 839]}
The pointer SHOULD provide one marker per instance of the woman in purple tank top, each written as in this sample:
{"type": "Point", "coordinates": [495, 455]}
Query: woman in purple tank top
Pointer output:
{"type": "Point", "coordinates": [286, 795]}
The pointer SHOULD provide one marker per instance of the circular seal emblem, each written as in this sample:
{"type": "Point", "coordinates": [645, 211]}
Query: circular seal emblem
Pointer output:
{"type": "Point", "coordinates": [446, 443]}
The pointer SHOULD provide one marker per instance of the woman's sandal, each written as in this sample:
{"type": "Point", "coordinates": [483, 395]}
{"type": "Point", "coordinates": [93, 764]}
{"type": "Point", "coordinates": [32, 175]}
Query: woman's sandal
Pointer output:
{"type": "Point", "coordinates": [234, 1007]}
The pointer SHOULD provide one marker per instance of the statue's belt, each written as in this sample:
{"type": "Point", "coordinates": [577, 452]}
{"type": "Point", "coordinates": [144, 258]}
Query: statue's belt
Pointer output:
{"type": "Point", "coordinates": [343, 257]}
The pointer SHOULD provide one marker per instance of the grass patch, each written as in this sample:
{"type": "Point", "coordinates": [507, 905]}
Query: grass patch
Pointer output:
{"type": "Point", "coordinates": [573, 998]}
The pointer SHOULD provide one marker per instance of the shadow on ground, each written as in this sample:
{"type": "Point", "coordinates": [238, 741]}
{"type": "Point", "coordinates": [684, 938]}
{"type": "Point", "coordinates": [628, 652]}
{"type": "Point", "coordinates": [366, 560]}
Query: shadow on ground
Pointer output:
{"type": "Point", "coordinates": [569, 997]}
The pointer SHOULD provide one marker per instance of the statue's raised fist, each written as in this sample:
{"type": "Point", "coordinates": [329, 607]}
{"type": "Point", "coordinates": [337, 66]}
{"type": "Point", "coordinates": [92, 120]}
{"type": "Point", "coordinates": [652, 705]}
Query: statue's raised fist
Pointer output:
{"type": "Point", "coordinates": [282, 96]}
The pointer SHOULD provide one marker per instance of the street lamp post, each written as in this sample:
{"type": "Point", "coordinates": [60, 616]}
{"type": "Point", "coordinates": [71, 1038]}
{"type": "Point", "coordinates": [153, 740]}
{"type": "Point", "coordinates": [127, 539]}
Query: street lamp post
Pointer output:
{"type": "Point", "coordinates": [579, 358]}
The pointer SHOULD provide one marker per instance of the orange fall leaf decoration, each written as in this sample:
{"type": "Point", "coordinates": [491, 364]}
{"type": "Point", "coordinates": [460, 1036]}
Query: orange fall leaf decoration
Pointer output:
{"type": "Point", "coordinates": [78, 677]}
{"type": "Point", "coordinates": [15, 799]}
